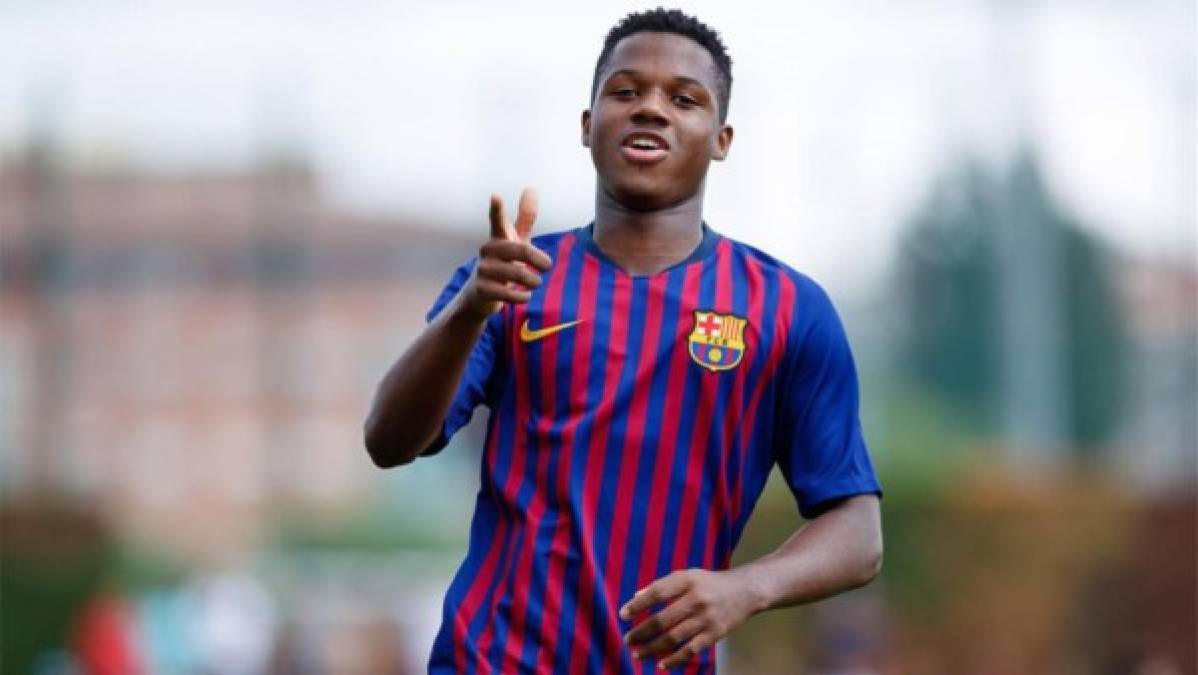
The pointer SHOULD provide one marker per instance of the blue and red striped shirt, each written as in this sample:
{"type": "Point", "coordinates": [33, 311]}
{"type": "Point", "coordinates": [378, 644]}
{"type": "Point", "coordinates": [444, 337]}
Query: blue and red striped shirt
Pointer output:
{"type": "Point", "coordinates": [634, 440]}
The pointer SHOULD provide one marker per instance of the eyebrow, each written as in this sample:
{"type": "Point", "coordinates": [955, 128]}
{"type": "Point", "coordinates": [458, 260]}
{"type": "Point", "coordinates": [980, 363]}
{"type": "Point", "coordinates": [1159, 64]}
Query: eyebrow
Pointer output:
{"type": "Point", "coordinates": [636, 73]}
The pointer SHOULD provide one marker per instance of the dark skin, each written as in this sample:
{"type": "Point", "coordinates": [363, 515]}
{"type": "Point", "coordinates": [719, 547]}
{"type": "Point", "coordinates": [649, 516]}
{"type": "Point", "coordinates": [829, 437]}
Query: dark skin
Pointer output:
{"type": "Point", "coordinates": [415, 394]}
{"type": "Point", "coordinates": [648, 215]}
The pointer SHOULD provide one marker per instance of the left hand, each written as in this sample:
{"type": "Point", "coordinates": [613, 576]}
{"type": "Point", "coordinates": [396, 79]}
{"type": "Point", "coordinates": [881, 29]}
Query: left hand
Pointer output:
{"type": "Point", "coordinates": [703, 607]}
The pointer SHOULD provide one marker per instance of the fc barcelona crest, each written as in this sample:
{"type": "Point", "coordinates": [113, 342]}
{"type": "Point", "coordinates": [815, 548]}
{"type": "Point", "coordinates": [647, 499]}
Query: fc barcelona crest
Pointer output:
{"type": "Point", "coordinates": [717, 342]}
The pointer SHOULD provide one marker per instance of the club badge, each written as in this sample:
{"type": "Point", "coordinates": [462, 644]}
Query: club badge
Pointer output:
{"type": "Point", "coordinates": [717, 342]}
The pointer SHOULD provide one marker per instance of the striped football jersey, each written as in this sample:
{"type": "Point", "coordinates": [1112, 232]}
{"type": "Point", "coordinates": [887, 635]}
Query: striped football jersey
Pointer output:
{"type": "Point", "coordinates": [634, 421]}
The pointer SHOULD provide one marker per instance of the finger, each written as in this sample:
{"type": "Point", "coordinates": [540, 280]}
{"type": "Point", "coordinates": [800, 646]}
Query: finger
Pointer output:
{"type": "Point", "coordinates": [499, 226]}
{"type": "Point", "coordinates": [669, 586]}
{"type": "Point", "coordinates": [537, 258]}
{"type": "Point", "coordinates": [526, 213]}
{"type": "Point", "coordinates": [505, 272]}
{"type": "Point", "coordinates": [687, 652]}
{"type": "Point", "coordinates": [493, 290]}
{"type": "Point", "coordinates": [674, 613]}
{"type": "Point", "coordinates": [516, 250]}
{"type": "Point", "coordinates": [670, 640]}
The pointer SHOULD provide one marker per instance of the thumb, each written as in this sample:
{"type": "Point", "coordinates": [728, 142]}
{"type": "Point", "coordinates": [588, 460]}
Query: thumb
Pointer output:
{"type": "Point", "coordinates": [526, 213]}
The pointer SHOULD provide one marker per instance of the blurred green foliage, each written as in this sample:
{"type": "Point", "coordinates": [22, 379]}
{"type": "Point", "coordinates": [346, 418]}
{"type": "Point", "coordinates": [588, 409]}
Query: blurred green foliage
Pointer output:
{"type": "Point", "coordinates": [52, 560]}
{"type": "Point", "coordinates": [993, 565]}
{"type": "Point", "coordinates": [371, 529]}
{"type": "Point", "coordinates": [949, 272]}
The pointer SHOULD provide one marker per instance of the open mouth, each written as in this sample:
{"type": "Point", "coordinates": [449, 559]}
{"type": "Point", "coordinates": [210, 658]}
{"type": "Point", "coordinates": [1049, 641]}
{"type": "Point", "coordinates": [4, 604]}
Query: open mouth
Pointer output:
{"type": "Point", "coordinates": [644, 148]}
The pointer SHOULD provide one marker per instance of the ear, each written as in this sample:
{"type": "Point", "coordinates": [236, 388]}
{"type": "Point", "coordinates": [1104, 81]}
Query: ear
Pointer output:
{"type": "Point", "coordinates": [586, 128]}
{"type": "Point", "coordinates": [723, 143]}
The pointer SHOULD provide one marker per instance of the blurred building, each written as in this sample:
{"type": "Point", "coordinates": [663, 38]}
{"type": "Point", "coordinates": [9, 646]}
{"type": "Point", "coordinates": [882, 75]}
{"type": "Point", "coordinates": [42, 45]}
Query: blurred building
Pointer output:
{"type": "Point", "coordinates": [190, 352]}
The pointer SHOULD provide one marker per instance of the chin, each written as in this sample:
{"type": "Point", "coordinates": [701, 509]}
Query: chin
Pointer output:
{"type": "Point", "coordinates": [642, 200]}
{"type": "Point", "coordinates": [642, 195]}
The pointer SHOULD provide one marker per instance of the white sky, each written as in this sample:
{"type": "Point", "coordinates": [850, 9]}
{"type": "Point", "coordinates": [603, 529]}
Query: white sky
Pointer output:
{"type": "Point", "coordinates": [844, 111]}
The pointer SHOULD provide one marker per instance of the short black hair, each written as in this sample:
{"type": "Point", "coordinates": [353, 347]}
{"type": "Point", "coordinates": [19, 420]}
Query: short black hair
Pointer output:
{"type": "Point", "coordinates": [662, 20]}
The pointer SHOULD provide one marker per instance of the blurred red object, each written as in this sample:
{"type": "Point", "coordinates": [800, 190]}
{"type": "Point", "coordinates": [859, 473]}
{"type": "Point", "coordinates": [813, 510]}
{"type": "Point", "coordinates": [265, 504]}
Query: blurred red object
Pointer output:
{"type": "Point", "coordinates": [104, 638]}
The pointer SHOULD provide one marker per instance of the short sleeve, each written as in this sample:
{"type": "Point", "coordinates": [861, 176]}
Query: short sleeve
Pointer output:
{"type": "Point", "coordinates": [476, 379]}
{"type": "Point", "coordinates": [820, 448]}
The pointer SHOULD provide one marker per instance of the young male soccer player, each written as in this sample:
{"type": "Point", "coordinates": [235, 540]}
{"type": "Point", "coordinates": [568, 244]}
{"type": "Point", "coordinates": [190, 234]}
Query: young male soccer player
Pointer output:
{"type": "Point", "coordinates": [644, 374]}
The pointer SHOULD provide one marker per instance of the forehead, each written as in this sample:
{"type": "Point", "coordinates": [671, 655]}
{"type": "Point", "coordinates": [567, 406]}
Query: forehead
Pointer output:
{"type": "Point", "coordinates": [665, 55]}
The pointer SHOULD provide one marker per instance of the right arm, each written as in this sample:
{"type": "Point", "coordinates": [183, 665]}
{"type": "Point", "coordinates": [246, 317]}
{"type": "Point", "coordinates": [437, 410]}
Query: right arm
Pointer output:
{"type": "Point", "coordinates": [416, 393]}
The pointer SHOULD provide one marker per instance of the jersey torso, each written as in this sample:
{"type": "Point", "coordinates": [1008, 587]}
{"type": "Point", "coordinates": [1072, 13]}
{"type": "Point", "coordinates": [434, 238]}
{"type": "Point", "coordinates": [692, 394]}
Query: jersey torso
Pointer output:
{"type": "Point", "coordinates": [634, 423]}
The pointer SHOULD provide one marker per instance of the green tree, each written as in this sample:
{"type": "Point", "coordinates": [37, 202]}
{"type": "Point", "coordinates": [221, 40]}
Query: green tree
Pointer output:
{"type": "Point", "coordinates": [949, 269]}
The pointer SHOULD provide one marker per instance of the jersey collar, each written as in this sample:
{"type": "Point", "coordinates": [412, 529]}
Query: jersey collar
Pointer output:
{"type": "Point", "coordinates": [586, 237]}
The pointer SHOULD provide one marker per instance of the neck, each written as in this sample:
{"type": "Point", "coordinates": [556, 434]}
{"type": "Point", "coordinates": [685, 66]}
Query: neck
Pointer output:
{"type": "Point", "coordinates": [647, 242]}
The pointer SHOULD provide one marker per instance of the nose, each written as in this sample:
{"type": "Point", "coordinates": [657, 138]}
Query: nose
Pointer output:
{"type": "Point", "coordinates": [650, 110]}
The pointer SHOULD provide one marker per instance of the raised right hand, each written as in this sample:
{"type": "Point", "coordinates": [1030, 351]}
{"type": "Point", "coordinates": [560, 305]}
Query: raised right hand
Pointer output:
{"type": "Point", "coordinates": [505, 268]}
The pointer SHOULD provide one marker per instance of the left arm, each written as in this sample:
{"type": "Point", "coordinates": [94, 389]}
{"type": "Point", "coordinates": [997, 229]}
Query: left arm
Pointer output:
{"type": "Point", "coordinates": [839, 550]}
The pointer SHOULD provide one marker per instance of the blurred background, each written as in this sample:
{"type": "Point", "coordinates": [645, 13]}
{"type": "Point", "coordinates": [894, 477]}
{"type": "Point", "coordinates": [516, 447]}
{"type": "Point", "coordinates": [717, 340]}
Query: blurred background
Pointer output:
{"type": "Point", "coordinates": [221, 223]}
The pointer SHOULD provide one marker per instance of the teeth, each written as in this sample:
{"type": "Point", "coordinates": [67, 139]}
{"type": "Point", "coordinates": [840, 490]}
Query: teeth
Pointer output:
{"type": "Point", "coordinates": [648, 145]}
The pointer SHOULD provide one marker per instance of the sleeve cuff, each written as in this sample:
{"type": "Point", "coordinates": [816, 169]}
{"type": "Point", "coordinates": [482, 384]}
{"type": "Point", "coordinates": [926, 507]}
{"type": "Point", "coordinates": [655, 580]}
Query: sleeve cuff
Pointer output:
{"type": "Point", "coordinates": [813, 504]}
{"type": "Point", "coordinates": [438, 443]}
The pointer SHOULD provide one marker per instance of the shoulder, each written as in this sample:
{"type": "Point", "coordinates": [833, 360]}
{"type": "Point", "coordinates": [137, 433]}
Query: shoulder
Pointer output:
{"type": "Point", "coordinates": [553, 241]}
{"type": "Point", "coordinates": [805, 314]}
{"type": "Point", "coordinates": [802, 288]}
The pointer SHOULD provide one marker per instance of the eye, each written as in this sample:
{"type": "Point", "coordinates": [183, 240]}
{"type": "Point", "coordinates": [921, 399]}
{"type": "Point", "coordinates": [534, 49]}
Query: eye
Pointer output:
{"type": "Point", "coordinates": [686, 101]}
{"type": "Point", "coordinates": [624, 92]}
